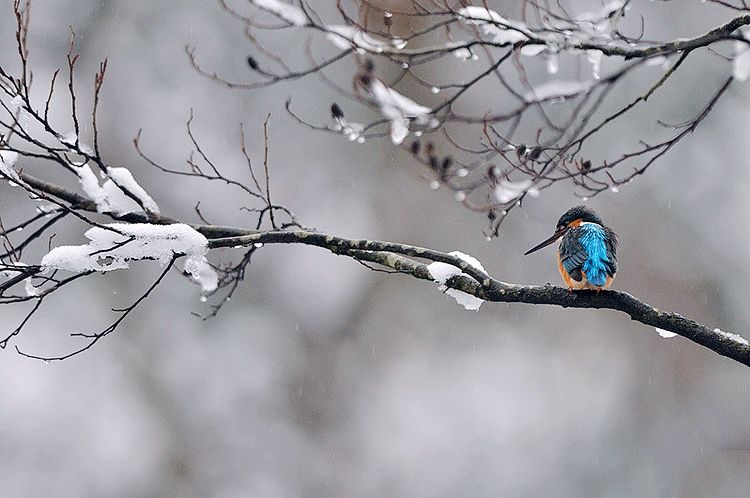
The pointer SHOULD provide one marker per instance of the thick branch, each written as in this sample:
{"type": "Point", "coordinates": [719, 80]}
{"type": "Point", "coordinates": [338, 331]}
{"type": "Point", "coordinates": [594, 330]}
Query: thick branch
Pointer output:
{"type": "Point", "coordinates": [393, 255]}
{"type": "Point", "coordinates": [722, 32]}
{"type": "Point", "coordinates": [490, 289]}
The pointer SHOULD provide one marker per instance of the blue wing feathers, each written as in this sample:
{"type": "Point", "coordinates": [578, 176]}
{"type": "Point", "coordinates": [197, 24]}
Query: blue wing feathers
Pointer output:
{"type": "Point", "coordinates": [589, 249]}
{"type": "Point", "coordinates": [572, 255]}
{"type": "Point", "coordinates": [593, 240]}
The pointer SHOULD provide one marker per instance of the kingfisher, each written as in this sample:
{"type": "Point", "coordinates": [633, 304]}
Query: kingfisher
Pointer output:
{"type": "Point", "coordinates": [587, 256]}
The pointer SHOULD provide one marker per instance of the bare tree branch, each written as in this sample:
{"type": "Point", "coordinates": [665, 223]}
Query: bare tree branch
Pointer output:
{"type": "Point", "coordinates": [535, 132]}
{"type": "Point", "coordinates": [492, 176]}
{"type": "Point", "coordinates": [485, 287]}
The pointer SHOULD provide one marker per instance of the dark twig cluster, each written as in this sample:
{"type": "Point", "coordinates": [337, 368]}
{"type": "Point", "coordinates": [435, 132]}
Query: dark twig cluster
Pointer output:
{"type": "Point", "coordinates": [532, 129]}
{"type": "Point", "coordinates": [30, 141]}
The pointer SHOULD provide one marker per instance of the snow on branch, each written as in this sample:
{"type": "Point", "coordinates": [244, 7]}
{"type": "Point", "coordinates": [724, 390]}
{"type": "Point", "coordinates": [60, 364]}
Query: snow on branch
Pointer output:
{"type": "Point", "coordinates": [123, 178]}
{"type": "Point", "coordinates": [466, 275]}
{"type": "Point", "coordinates": [398, 109]}
{"type": "Point", "coordinates": [110, 196]}
{"type": "Point", "coordinates": [135, 229]}
{"type": "Point", "coordinates": [497, 28]}
{"type": "Point", "coordinates": [90, 186]}
{"type": "Point", "coordinates": [286, 11]}
{"type": "Point", "coordinates": [8, 159]}
{"type": "Point", "coordinates": [442, 272]}
{"type": "Point", "coordinates": [492, 175]}
{"type": "Point", "coordinates": [346, 37]}
{"type": "Point", "coordinates": [558, 89]}
{"type": "Point", "coordinates": [113, 246]}
{"type": "Point", "coordinates": [665, 333]}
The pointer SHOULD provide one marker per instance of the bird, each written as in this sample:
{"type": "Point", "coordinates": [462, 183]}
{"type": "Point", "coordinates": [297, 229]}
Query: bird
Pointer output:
{"type": "Point", "coordinates": [587, 256]}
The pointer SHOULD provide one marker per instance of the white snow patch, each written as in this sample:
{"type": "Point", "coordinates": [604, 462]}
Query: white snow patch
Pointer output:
{"type": "Point", "coordinates": [659, 60]}
{"type": "Point", "coordinates": [734, 337]}
{"type": "Point", "coordinates": [71, 139]}
{"type": "Point", "coordinates": [90, 186]}
{"type": "Point", "coordinates": [612, 7]}
{"type": "Point", "coordinates": [399, 43]}
{"type": "Point", "coordinates": [346, 37]}
{"type": "Point", "coordinates": [47, 209]}
{"type": "Point", "coordinates": [665, 333]}
{"type": "Point", "coordinates": [119, 203]}
{"type": "Point", "coordinates": [605, 13]}
{"type": "Point", "coordinates": [206, 276]}
{"type": "Point", "coordinates": [493, 25]}
{"type": "Point", "coordinates": [398, 109]}
{"type": "Point", "coordinates": [469, 302]}
{"type": "Point", "coordinates": [595, 58]}
{"type": "Point", "coordinates": [113, 247]}
{"type": "Point", "coordinates": [8, 159]}
{"type": "Point", "coordinates": [124, 178]}
{"type": "Point", "coordinates": [469, 259]}
{"type": "Point", "coordinates": [557, 89]}
{"type": "Point", "coordinates": [399, 130]}
{"type": "Point", "coordinates": [601, 24]}
{"type": "Point", "coordinates": [352, 131]}
{"type": "Point", "coordinates": [442, 272]}
{"type": "Point", "coordinates": [553, 63]}
{"type": "Point", "coordinates": [506, 191]}
{"type": "Point", "coordinates": [108, 197]}
{"type": "Point", "coordinates": [289, 13]}
{"type": "Point", "coordinates": [18, 108]}
{"type": "Point", "coordinates": [463, 53]}
{"type": "Point", "coordinates": [29, 288]}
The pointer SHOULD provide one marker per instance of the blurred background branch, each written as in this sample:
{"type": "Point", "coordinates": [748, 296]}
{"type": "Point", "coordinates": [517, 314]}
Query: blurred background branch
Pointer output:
{"type": "Point", "coordinates": [517, 149]}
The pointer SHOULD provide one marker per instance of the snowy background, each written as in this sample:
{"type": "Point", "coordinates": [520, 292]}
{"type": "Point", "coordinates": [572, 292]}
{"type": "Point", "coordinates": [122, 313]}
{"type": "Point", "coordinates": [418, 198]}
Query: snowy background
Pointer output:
{"type": "Point", "coordinates": [322, 378]}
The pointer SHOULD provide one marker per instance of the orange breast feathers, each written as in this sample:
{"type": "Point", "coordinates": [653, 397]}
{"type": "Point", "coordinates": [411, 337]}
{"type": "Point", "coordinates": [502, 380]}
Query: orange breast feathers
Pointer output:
{"type": "Point", "coordinates": [569, 282]}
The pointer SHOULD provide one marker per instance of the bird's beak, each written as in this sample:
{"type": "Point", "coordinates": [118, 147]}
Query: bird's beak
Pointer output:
{"type": "Point", "coordinates": [555, 236]}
